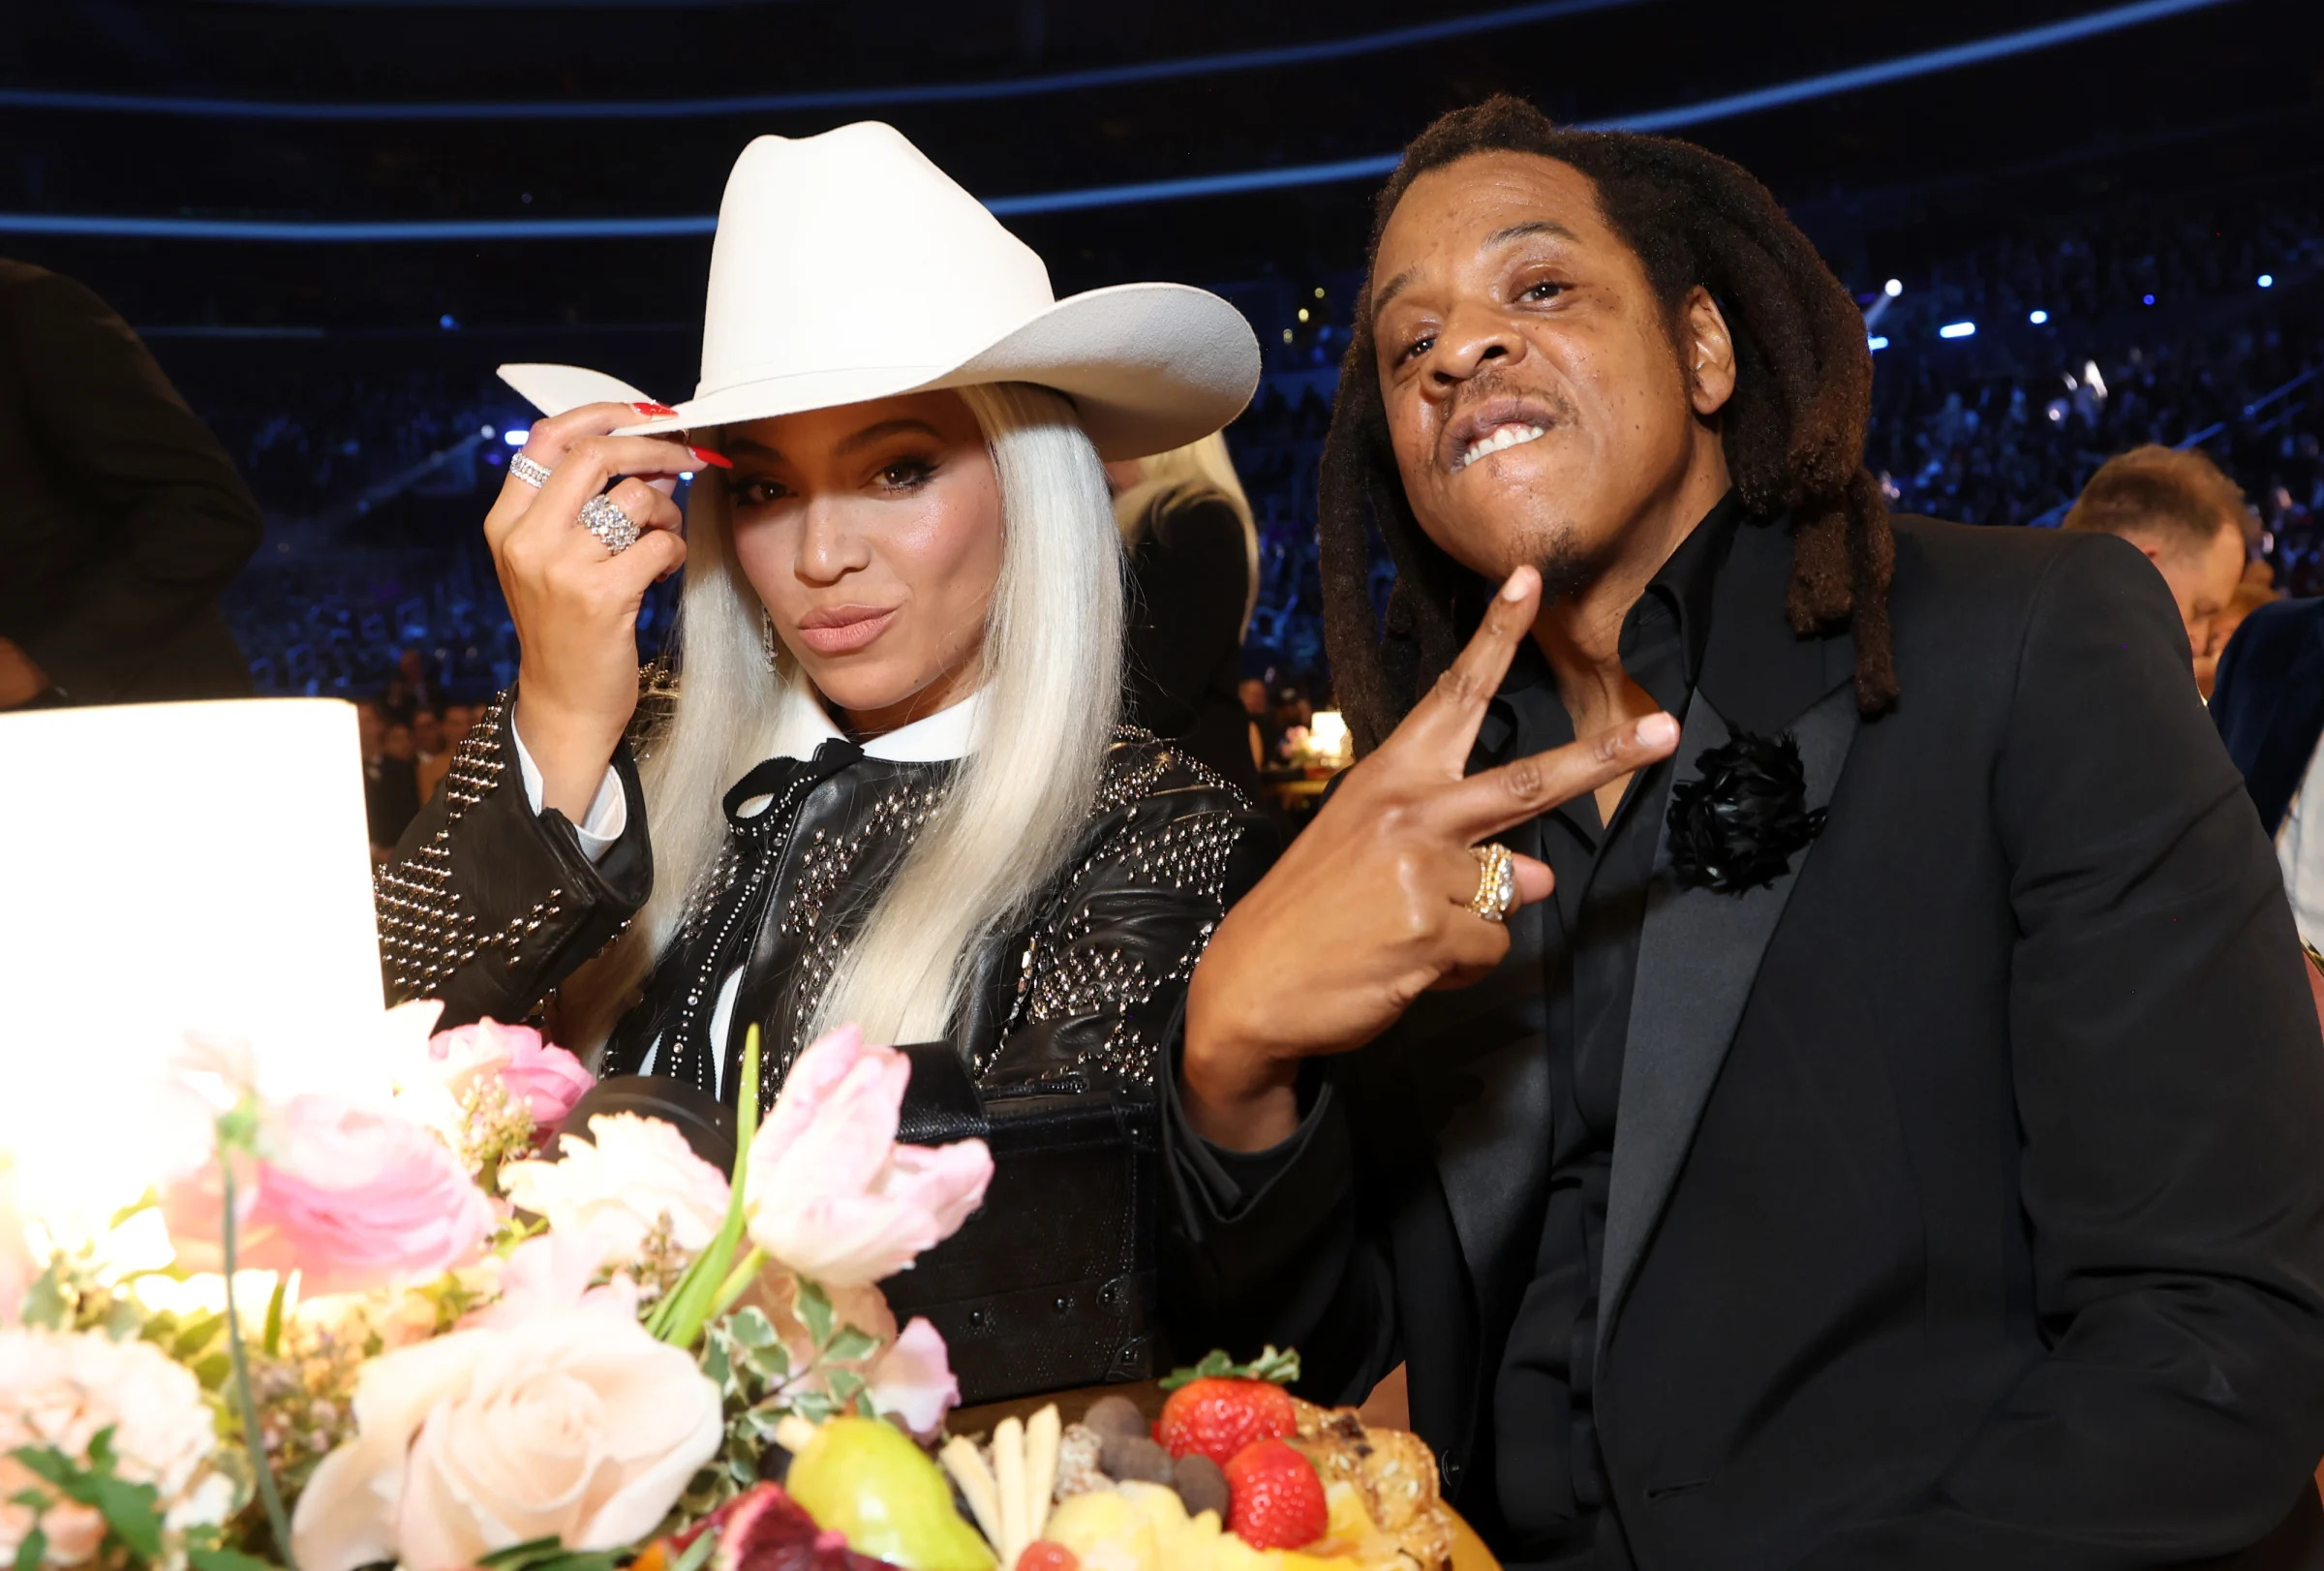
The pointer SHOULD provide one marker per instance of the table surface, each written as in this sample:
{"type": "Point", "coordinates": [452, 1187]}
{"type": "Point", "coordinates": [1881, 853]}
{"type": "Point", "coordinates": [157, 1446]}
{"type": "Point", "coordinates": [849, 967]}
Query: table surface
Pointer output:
{"type": "Point", "coordinates": [1469, 1552]}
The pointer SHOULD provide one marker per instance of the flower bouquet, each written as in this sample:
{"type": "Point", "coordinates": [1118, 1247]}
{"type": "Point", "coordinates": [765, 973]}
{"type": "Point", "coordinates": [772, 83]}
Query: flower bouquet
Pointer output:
{"type": "Point", "coordinates": [433, 1327]}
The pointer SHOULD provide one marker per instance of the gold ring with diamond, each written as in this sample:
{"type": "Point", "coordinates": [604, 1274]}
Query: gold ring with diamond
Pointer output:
{"type": "Point", "coordinates": [1496, 881]}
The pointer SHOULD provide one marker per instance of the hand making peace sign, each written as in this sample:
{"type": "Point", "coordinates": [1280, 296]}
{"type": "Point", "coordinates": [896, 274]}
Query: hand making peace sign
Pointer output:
{"type": "Point", "coordinates": [1373, 904]}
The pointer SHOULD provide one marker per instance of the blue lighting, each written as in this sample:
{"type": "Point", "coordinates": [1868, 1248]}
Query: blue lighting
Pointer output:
{"type": "Point", "coordinates": [2146, 299]}
{"type": "Point", "coordinates": [1878, 341]}
{"type": "Point", "coordinates": [1958, 329]}
{"type": "Point", "coordinates": [1805, 89]}
{"type": "Point", "coordinates": [486, 432]}
{"type": "Point", "coordinates": [841, 98]}
{"type": "Point", "coordinates": [2266, 279]}
{"type": "Point", "coordinates": [2038, 318]}
{"type": "Point", "coordinates": [446, 322]}
{"type": "Point", "coordinates": [515, 435]}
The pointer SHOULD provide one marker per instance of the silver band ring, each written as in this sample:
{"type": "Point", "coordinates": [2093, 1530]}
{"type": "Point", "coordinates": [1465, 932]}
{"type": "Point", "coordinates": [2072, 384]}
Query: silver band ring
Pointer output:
{"type": "Point", "coordinates": [530, 471]}
{"type": "Point", "coordinates": [1496, 881]}
{"type": "Point", "coordinates": [602, 517]}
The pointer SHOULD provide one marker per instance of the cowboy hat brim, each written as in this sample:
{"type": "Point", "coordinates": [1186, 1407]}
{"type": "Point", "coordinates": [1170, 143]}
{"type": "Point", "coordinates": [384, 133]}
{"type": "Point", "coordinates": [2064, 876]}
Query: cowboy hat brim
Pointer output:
{"type": "Point", "coordinates": [1149, 367]}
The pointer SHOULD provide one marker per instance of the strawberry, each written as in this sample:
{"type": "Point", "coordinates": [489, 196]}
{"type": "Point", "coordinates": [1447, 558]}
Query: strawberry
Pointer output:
{"type": "Point", "coordinates": [1043, 1556]}
{"type": "Point", "coordinates": [1279, 1500]}
{"type": "Point", "coordinates": [1218, 1407]}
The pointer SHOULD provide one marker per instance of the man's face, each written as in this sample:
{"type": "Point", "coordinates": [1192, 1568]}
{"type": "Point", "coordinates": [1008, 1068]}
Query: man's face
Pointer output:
{"type": "Point", "coordinates": [1536, 401]}
{"type": "Point", "coordinates": [1253, 694]}
{"type": "Point", "coordinates": [2202, 580]}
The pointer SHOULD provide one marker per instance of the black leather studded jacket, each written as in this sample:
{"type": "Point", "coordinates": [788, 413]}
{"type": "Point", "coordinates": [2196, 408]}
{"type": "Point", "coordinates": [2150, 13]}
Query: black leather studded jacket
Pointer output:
{"type": "Point", "coordinates": [490, 907]}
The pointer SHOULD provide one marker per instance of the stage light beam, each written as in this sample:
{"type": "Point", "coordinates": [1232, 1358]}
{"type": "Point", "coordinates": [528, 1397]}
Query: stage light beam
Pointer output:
{"type": "Point", "coordinates": [1958, 329]}
{"type": "Point", "coordinates": [1877, 342]}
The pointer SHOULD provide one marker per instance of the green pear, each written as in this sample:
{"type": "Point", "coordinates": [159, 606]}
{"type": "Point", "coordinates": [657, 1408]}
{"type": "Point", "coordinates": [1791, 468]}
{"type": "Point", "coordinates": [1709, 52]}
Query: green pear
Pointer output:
{"type": "Point", "coordinates": [867, 1481]}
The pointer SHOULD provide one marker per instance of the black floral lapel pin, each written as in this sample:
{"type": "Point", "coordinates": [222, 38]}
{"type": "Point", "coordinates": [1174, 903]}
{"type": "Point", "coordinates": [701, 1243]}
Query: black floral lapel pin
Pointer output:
{"type": "Point", "coordinates": [1739, 823]}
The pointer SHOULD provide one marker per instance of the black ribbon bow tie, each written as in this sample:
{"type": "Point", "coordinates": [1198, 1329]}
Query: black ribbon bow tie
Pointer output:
{"type": "Point", "coordinates": [1739, 823]}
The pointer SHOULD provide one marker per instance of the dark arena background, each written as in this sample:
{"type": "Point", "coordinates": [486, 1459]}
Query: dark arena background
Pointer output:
{"type": "Point", "coordinates": [2073, 226]}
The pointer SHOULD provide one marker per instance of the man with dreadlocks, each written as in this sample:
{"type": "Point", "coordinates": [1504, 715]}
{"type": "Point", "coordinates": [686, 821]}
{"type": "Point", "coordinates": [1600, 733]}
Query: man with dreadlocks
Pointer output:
{"type": "Point", "coordinates": [1856, 1106]}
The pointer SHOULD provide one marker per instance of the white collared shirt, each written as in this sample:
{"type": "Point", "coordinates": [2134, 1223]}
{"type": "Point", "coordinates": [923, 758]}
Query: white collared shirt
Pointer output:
{"type": "Point", "coordinates": [950, 732]}
{"type": "Point", "coordinates": [2299, 850]}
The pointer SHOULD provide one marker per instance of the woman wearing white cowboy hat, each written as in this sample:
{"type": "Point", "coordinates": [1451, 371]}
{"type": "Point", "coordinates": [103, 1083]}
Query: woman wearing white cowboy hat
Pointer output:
{"type": "Point", "coordinates": [885, 784]}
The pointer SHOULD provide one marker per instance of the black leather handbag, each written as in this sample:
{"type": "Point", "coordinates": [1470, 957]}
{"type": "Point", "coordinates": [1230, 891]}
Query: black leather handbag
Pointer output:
{"type": "Point", "coordinates": [1051, 1284]}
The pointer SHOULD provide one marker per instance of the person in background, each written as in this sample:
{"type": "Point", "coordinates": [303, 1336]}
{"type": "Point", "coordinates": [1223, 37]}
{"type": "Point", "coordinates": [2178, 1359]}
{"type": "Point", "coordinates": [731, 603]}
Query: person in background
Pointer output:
{"type": "Point", "coordinates": [1194, 566]}
{"type": "Point", "coordinates": [458, 720]}
{"type": "Point", "coordinates": [125, 516]}
{"type": "Point", "coordinates": [409, 690]}
{"type": "Point", "coordinates": [2249, 596]}
{"type": "Point", "coordinates": [390, 785]}
{"type": "Point", "coordinates": [2188, 517]}
{"type": "Point", "coordinates": [432, 752]}
{"type": "Point", "coordinates": [1252, 691]}
{"type": "Point", "coordinates": [2268, 706]}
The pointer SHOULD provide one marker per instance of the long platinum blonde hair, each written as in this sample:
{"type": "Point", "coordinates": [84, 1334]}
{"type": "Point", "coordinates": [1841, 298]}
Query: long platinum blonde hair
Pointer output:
{"type": "Point", "coordinates": [1199, 471]}
{"type": "Point", "coordinates": [1050, 690]}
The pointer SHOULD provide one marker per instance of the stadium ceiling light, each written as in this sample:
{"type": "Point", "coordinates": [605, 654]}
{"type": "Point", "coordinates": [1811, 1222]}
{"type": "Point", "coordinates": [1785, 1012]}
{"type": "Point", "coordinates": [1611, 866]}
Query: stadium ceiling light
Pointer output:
{"type": "Point", "coordinates": [2038, 318]}
{"type": "Point", "coordinates": [1878, 341]}
{"type": "Point", "coordinates": [1893, 287]}
{"type": "Point", "coordinates": [2266, 279]}
{"type": "Point", "coordinates": [1958, 329]}
{"type": "Point", "coordinates": [1806, 89]}
{"type": "Point", "coordinates": [839, 98]}
{"type": "Point", "coordinates": [486, 432]}
{"type": "Point", "coordinates": [2146, 299]}
{"type": "Point", "coordinates": [515, 436]}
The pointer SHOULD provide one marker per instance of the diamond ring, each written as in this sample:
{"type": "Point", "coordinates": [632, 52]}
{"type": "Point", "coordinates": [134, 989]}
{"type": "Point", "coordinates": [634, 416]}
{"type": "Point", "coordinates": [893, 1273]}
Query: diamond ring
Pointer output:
{"type": "Point", "coordinates": [530, 471]}
{"type": "Point", "coordinates": [605, 519]}
{"type": "Point", "coordinates": [1496, 881]}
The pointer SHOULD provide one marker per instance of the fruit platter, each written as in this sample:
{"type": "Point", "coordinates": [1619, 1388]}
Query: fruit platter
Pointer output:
{"type": "Point", "coordinates": [1235, 1474]}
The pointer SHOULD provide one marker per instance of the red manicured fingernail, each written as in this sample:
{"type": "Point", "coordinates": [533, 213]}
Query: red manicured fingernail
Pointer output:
{"type": "Point", "coordinates": [658, 411]}
{"type": "Point", "coordinates": [719, 459]}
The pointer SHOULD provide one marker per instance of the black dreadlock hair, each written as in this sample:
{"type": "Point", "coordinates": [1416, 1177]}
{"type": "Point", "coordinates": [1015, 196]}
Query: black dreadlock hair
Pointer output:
{"type": "Point", "coordinates": [1794, 430]}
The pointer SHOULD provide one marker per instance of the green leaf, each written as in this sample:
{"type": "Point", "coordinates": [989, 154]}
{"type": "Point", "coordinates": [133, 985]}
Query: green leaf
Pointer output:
{"type": "Point", "coordinates": [227, 1559]}
{"type": "Point", "coordinates": [1281, 1367]}
{"type": "Point", "coordinates": [814, 1313]}
{"type": "Point", "coordinates": [47, 1301]}
{"type": "Point", "coordinates": [845, 1386]}
{"type": "Point", "coordinates": [532, 1552]}
{"type": "Point", "coordinates": [272, 1338]}
{"type": "Point", "coordinates": [695, 1553]}
{"type": "Point", "coordinates": [33, 1551]}
{"type": "Point", "coordinates": [851, 1345]}
{"type": "Point", "coordinates": [751, 1328]}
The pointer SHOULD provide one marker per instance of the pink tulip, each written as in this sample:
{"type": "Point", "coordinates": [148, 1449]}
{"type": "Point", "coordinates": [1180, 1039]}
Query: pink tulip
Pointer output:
{"type": "Point", "coordinates": [832, 1195]}
{"type": "Point", "coordinates": [911, 1380]}
{"type": "Point", "coordinates": [350, 1197]}
{"type": "Point", "coordinates": [547, 1079]}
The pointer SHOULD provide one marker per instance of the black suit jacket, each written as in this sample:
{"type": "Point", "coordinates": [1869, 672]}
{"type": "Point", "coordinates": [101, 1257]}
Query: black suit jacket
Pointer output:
{"type": "Point", "coordinates": [1966, 1207]}
{"type": "Point", "coordinates": [2268, 701]}
{"type": "Point", "coordinates": [125, 516]}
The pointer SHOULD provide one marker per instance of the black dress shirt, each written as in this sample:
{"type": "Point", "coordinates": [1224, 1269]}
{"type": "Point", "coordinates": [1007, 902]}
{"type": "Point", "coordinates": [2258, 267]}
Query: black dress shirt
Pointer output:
{"type": "Point", "coordinates": [1552, 1481]}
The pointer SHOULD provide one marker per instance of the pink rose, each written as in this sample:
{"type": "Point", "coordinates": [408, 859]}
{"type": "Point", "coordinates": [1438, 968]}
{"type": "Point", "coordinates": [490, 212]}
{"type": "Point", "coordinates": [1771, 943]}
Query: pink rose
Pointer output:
{"type": "Point", "coordinates": [350, 1197]}
{"type": "Point", "coordinates": [832, 1195]}
{"type": "Point", "coordinates": [547, 1079]}
{"type": "Point", "coordinates": [577, 1426]}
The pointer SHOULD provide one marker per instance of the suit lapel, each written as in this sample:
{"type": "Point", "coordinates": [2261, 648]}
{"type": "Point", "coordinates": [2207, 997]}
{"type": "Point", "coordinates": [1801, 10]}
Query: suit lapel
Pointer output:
{"type": "Point", "coordinates": [2288, 733]}
{"type": "Point", "coordinates": [1699, 952]}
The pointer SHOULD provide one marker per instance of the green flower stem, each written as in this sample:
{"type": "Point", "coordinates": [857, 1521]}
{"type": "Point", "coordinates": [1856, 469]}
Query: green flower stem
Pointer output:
{"type": "Point", "coordinates": [738, 1280]}
{"type": "Point", "coordinates": [692, 1300]}
{"type": "Point", "coordinates": [252, 1434]}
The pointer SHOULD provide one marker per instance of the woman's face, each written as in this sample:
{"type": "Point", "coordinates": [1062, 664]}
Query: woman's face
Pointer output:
{"type": "Point", "coordinates": [873, 534]}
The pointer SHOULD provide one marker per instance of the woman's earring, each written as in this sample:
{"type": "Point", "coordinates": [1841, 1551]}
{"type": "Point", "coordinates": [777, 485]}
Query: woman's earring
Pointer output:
{"type": "Point", "coordinates": [765, 635]}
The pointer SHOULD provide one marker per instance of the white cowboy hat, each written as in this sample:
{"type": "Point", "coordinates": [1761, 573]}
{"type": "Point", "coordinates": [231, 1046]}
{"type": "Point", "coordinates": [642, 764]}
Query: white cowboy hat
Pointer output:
{"type": "Point", "coordinates": [847, 268]}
